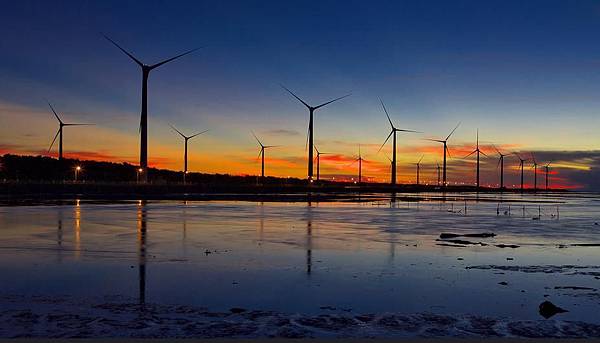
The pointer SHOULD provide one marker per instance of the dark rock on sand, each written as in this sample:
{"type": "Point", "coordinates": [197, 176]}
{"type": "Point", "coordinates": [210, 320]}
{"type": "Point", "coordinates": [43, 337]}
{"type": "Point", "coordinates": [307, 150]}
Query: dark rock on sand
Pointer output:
{"type": "Point", "coordinates": [548, 309]}
{"type": "Point", "coordinates": [503, 283]}
{"type": "Point", "coordinates": [478, 235]}
{"type": "Point", "coordinates": [513, 246]}
{"type": "Point", "coordinates": [237, 310]}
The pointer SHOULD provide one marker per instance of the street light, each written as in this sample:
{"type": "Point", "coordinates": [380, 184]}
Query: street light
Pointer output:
{"type": "Point", "coordinates": [139, 171]}
{"type": "Point", "coordinates": [77, 170]}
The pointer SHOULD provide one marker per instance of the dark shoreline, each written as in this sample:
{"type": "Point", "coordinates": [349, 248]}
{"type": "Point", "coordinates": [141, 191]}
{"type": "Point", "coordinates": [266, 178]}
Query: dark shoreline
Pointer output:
{"type": "Point", "coordinates": [16, 193]}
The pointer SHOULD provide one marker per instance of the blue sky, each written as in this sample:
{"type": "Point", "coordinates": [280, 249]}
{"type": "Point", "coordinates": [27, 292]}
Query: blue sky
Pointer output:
{"type": "Point", "coordinates": [525, 73]}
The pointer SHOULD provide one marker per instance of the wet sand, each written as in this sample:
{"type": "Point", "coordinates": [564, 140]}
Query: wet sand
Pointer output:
{"type": "Point", "coordinates": [374, 268]}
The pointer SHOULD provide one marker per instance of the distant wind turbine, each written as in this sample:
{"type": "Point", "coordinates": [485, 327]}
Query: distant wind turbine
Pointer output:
{"type": "Point", "coordinates": [59, 133]}
{"type": "Point", "coordinates": [311, 110]}
{"type": "Point", "coordinates": [521, 163]}
{"type": "Point", "coordinates": [535, 165]}
{"type": "Point", "coordinates": [185, 153]}
{"type": "Point", "coordinates": [359, 160]}
{"type": "Point", "coordinates": [392, 132]}
{"type": "Point", "coordinates": [478, 151]}
{"type": "Point", "coordinates": [501, 164]}
{"type": "Point", "coordinates": [146, 69]}
{"type": "Point", "coordinates": [261, 154]}
{"type": "Point", "coordinates": [445, 142]}
{"type": "Point", "coordinates": [419, 168]}
{"type": "Point", "coordinates": [319, 162]}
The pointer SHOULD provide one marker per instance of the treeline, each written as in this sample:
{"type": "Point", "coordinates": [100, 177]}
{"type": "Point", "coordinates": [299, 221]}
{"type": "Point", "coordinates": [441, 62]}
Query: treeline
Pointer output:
{"type": "Point", "coordinates": [47, 169]}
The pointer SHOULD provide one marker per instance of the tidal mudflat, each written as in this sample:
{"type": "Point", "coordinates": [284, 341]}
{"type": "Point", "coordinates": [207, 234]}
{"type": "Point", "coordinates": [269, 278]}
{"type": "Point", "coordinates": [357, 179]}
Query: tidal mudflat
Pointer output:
{"type": "Point", "coordinates": [463, 265]}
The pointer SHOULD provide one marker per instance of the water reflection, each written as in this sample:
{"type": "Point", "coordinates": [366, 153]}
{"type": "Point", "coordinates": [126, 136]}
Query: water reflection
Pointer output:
{"type": "Point", "coordinates": [59, 234]}
{"type": "Point", "coordinates": [309, 218]}
{"type": "Point", "coordinates": [77, 230]}
{"type": "Point", "coordinates": [141, 230]}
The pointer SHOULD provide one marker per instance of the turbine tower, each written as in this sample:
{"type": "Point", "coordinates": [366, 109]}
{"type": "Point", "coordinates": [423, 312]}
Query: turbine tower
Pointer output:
{"type": "Point", "coordinates": [185, 151]}
{"type": "Point", "coordinates": [392, 132]}
{"type": "Point", "coordinates": [146, 69]}
{"type": "Point", "coordinates": [261, 154]}
{"type": "Point", "coordinates": [521, 163]}
{"type": "Point", "coordinates": [445, 142]}
{"type": "Point", "coordinates": [391, 166]}
{"type": "Point", "coordinates": [311, 110]}
{"type": "Point", "coordinates": [501, 164]}
{"type": "Point", "coordinates": [478, 151]}
{"type": "Point", "coordinates": [319, 162]}
{"type": "Point", "coordinates": [547, 167]}
{"type": "Point", "coordinates": [59, 133]}
{"type": "Point", "coordinates": [419, 168]}
{"type": "Point", "coordinates": [535, 165]}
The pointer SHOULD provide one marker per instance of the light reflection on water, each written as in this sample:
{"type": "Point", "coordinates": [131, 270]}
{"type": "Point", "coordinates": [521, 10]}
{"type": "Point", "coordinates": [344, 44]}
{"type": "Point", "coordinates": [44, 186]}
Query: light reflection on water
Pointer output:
{"type": "Point", "coordinates": [373, 256]}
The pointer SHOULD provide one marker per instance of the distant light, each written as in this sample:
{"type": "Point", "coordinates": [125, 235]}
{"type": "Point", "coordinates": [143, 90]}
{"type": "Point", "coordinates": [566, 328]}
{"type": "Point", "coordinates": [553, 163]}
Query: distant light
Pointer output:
{"type": "Point", "coordinates": [78, 168]}
{"type": "Point", "coordinates": [140, 170]}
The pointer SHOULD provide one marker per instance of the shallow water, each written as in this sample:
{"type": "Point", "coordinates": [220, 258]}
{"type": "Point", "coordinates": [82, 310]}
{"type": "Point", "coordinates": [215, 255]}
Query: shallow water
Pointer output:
{"type": "Point", "coordinates": [376, 256]}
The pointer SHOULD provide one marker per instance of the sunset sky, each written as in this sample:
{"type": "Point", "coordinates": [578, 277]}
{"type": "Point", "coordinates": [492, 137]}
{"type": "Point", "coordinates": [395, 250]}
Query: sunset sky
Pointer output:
{"type": "Point", "coordinates": [526, 73]}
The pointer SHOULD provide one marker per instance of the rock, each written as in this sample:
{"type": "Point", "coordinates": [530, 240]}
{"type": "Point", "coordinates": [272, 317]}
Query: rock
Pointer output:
{"type": "Point", "coordinates": [237, 310]}
{"type": "Point", "coordinates": [548, 309]}
{"type": "Point", "coordinates": [512, 246]}
{"type": "Point", "coordinates": [479, 235]}
{"type": "Point", "coordinates": [503, 283]}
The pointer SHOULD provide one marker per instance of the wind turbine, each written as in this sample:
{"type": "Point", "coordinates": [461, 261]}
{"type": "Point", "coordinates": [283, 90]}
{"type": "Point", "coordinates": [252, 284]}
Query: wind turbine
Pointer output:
{"type": "Point", "coordinates": [311, 110]}
{"type": "Point", "coordinates": [501, 164]}
{"type": "Point", "coordinates": [392, 132]}
{"type": "Point", "coordinates": [61, 125]}
{"type": "Point", "coordinates": [360, 160]}
{"type": "Point", "coordinates": [478, 151]}
{"type": "Point", "coordinates": [319, 162]}
{"type": "Point", "coordinates": [445, 142]}
{"type": "Point", "coordinates": [262, 155]}
{"type": "Point", "coordinates": [547, 167]}
{"type": "Point", "coordinates": [419, 168]}
{"type": "Point", "coordinates": [521, 163]}
{"type": "Point", "coordinates": [535, 165]}
{"type": "Point", "coordinates": [146, 69]}
{"type": "Point", "coordinates": [185, 153]}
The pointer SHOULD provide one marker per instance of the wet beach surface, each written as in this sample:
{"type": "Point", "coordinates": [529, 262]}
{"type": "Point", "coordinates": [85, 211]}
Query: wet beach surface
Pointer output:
{"type": "Point", "coordinates": [368, 268]}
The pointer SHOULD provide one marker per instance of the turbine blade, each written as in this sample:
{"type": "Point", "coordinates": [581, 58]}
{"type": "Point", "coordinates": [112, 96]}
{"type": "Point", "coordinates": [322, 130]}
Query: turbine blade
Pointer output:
{"type": "Point", "coordinates": [421, 159]}
{"type": "Point", "coordinates": [56, 115]}
{"type": "Point", "coordinates": [260, 152]}
{"type": "Point", "coordinates": [258, 140]}
{"type": "Point", "coordinates": [483, 153]}
{"type": "Point", "coordinates": [198, 134]}
{"type": "Point", "coordinates": [434, 140]}
{"type": "Point", "coordinates": [334, 100]}
{"type": "Point", "coordinates": [77, 124]}
{"type": "Point", "coordinates": [386, 113]}
{"type": "Point", "coordinates": [388, 137]}
{"type": "Point", "coordinates": [172, 58]}
{"type": "Point", "coordinates": [272, 146]}
{"type": "Point", "coordinates": [124, 51]}
{"type": "Point", "coordinates": [498, 165]}
{"type": "Point", "coordinates": [402, 130]}
{"type": "Point", "coordinates": [295, 96]}
{"type": "Point", "coordinates": [179, 132]}
{"type": "Point", "coordinates": [448, 150]}
{"type": "Point", "coordinates": [317, 150]}
{"type": "Point", "coordinates": [307, 134]}
{"type": "Point", "coordinates": [472, 152]}
{"type": "Point", "coordinates": [54, 140]}
{"type": "Point", "coordinates": [457, 125]}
